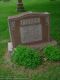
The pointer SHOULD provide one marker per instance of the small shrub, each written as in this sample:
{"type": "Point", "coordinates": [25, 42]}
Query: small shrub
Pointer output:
{"type": "Point", "coordinates": [52, 53]}
{"type": "Point", "coordinates": [27, 57]}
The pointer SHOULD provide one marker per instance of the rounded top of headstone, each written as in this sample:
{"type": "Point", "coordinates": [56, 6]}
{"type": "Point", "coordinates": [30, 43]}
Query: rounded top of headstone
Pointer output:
{"type": "Point", "coordinates": [27, 13]}
{"type": "Point", "coordinates": [46, 12]}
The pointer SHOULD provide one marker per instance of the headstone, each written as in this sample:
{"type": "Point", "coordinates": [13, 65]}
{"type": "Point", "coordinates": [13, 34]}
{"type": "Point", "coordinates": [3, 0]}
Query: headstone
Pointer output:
{"type": "Point", "coordinates": [29, 28]}
{"type": "Point", "coordinates": [20, 7]}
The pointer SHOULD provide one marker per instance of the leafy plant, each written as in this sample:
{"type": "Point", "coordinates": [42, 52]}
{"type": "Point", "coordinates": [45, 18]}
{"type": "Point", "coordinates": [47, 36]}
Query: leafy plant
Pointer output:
{"type": "Point", "coordinates": [27, 57]}
{"type": "Point", "coordinates": [52, 53]}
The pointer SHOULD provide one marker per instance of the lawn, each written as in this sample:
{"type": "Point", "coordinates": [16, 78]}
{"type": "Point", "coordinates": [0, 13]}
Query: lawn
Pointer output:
{"type": "Point", "coordinates": [47, 71]}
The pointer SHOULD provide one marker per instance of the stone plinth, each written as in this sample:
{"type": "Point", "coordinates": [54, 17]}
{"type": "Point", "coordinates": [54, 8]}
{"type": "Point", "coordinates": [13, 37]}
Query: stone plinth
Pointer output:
{"type": "Point", "coordinates": [36, 46]}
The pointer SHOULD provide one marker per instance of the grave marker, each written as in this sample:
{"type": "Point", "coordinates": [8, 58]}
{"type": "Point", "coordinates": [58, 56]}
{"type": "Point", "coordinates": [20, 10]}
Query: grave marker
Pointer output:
{"type": "Point", "coordinates": [20, 7]}
{"type": "Point", "coordinates": [29, 28]}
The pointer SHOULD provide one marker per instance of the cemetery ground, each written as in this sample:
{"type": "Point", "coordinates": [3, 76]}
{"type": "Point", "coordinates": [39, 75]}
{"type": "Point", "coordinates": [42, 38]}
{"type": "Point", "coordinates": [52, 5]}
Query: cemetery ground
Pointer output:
{"type": "Point", "coordinates": [48, 70]}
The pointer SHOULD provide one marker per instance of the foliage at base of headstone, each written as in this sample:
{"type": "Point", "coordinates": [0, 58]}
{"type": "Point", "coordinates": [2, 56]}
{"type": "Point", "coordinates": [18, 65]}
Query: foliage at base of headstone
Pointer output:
{"type": "Point", "coordinates": [27, 57]}
{"type": "Point", "coordinates": [52, 53]}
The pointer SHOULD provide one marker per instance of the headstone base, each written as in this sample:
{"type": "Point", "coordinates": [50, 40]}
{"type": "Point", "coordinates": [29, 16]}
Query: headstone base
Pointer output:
{"type": "Point", "coordinates": [37, 46]}
{"type": "Point", "coordinates": [10, 47]}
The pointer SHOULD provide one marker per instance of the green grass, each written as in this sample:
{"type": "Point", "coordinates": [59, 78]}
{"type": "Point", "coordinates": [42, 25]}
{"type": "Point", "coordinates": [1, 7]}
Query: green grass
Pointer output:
{"type": "Point", "coordinates": [9, 74]}
{"type": "Point", "coordinates": [44, 72]}
{"type": "Point", "coordinates": [49, 75]}
{"type": "Point", "coordinates": [8, 9]}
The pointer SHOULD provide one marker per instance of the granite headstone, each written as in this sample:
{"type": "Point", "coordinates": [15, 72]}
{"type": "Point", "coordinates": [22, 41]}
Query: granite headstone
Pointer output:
{"type": "Point", "coordinates": [29, 28]}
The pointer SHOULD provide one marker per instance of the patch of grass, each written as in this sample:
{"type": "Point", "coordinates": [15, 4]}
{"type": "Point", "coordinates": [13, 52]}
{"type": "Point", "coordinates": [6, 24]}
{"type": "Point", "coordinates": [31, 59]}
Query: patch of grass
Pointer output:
{"type": "Point", "coordinates": [6, 9]}
{"type": "Point", "coordinates": [9, 74]}
{"type": "Point", "coordinates": [2, 51]}
{"type": "Point", "coordinates": [51, 74]}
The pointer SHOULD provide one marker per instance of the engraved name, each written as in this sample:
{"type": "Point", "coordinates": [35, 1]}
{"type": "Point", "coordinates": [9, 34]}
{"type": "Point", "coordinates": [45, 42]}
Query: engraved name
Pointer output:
{"type": "Point", "coordinates": [30, 21]}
